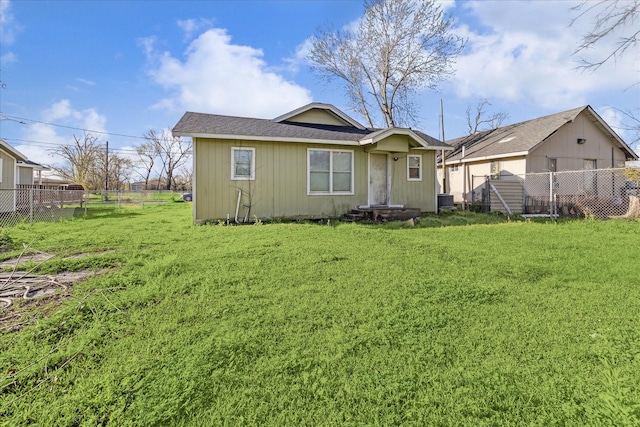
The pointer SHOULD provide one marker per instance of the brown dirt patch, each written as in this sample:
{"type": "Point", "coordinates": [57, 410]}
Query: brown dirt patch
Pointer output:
{"type": "Point", "coordinates": [26, 297]}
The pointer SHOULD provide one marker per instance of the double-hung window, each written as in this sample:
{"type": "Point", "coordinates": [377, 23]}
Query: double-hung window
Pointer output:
{"type": "Point", "coordinates": [243, 165]}
{"type": "Point", "coordinates": [329, 171]}
{"type": "Point", "coordinates": [414, 168]}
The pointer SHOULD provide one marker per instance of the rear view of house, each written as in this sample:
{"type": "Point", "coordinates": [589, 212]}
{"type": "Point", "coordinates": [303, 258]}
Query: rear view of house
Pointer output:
{"type": "Point", "coordinates": [313, 162]}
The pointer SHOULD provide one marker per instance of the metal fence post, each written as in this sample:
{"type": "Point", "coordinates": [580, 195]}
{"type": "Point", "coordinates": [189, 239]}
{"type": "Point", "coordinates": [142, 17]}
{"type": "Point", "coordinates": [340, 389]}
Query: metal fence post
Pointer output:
{"type": "Point", "coordinates": [31, 196]}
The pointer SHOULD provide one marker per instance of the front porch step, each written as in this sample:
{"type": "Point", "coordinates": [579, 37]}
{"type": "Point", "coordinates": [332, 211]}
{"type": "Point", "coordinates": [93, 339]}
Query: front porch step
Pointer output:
{"type": "Point", "coordinates": [381, 214]}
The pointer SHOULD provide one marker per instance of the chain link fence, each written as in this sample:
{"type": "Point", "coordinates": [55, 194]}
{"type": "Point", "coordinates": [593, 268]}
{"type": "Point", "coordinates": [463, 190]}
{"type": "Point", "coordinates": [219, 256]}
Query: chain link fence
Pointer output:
{"type": "Point", "coordinates": [37, 204]}
{"type": "Point", "coordinates": [31, 204]}
{"type": "Point", "coordinates": [598, 193]}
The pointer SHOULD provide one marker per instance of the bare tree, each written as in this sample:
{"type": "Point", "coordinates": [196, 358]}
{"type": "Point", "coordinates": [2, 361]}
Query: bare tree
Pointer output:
{"type": "Point", "coordinates": [610, 16]}
{"type": "Point", "coordinates": [398, 48]}
{"type": "Point", "coordinates": [482, 120]}
{"type": "Point", "coordinates": [120, 170]}
{"type": "Point", "coordinates": [172, 151]}
{"type": "Point", "coordinates": [82, 160]}
{"type": "Point", "coordinates": [147, 154]}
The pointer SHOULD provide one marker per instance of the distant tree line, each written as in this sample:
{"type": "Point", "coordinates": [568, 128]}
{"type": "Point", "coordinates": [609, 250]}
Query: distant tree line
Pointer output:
{"type": "Point", "coordinates": [161, 162]}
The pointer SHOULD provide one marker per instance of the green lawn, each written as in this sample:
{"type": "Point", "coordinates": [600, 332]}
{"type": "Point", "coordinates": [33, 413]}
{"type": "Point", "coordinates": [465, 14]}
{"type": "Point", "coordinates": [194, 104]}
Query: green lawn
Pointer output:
{"type": "Point", "coordinates": [504, 323]}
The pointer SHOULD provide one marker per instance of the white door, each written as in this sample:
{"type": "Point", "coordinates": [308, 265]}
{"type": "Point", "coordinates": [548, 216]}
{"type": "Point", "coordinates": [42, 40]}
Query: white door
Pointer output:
{"type": "Point", "coordinates": [378, 194]}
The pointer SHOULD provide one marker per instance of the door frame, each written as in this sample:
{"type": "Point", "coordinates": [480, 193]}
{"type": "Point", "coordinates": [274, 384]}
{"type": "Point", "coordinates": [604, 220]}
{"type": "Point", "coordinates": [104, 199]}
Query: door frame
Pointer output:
{"type": "Point", "coordinates": [370, 178]}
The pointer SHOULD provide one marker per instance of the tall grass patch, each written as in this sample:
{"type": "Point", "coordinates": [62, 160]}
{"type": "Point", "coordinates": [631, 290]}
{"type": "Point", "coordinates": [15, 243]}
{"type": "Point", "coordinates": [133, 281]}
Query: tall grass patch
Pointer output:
{"type": "Point", "coordinates": [513, 323]}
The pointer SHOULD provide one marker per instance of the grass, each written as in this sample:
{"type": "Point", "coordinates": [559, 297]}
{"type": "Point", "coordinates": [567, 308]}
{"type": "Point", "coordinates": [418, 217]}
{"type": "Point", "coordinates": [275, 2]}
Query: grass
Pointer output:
{"type": "Point", "coordinates": [464, 320]}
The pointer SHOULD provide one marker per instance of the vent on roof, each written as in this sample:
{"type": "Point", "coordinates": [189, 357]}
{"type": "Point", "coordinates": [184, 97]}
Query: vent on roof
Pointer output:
{"type": "Point", "coordinates": [503, 140]}
{"type": "Point", "coordinates": [582, 140]}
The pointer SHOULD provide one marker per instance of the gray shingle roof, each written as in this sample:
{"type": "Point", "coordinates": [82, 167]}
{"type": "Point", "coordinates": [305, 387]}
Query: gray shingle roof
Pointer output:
{"type": "Point", "coordinates": [214, 125]}
{"type": "Point", "coordinates": [521, 137]}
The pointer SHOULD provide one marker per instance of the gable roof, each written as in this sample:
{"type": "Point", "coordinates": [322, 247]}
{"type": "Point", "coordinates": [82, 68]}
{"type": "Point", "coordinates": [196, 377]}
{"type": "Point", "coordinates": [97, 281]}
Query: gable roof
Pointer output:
{"type": "Point", "coordinates": [327, 108]}
{"type": "Point", "coordinates": [522, 138]}
{"type": "Point", "coordinates": [12, 151]}
{"type": "Point", "coordinates": [201, 125]}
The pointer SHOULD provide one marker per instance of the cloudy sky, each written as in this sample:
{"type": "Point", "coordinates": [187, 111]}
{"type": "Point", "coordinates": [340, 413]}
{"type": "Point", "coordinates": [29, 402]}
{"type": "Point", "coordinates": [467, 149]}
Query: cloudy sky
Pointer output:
{"type": "Point", "coordinates": [120, 68]}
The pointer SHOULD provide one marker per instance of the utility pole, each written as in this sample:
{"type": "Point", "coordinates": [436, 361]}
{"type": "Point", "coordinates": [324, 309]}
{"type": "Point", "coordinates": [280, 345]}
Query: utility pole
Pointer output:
{"type": "Point", "coordinates": [106, 172]}
{"type": "Point", "coordinates": [444, 163]}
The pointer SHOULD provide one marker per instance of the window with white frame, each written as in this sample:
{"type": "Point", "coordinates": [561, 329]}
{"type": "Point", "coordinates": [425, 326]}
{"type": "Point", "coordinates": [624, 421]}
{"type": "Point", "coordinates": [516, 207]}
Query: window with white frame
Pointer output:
{"type": "Point", "coordinates": [414, 168]}
{"type": "Point", "coordinates": [243, 165]}
{"type": "Point", "coordinates": [454, 168]}
{"type": "Point", "coordinates": [329, 171]}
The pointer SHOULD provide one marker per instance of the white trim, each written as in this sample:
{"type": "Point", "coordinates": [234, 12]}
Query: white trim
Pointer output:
{"type": "Point", "coordinates": [330, 192]}
{"type": "Point", "coordinates": [269, 138]}
{"type": "Point", "coordinates": [419, 156]}
{"type": "Point", "coordinates": [380, 135]}
{"type": "Point", "coordinates": [12, 152]}
{"type": "Point", "coordinates": [479, 159]}
{"type": "Point", "coordinates": [389, 177]}
{"type": "Point", "coordinates": [252, 175]}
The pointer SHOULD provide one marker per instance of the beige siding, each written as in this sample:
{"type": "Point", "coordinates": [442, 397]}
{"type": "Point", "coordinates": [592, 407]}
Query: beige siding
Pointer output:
{"type": "Point", "coordinates": [570, 155]}
{"type": "Point", "coordinates": [8, 171]}
{"type": "Point", "coordinates": [414, 194]}
{"type": "Point", "coordinates": [393, 143]}
{"type": "Point", "coordinates": [474, 172]}
{"type": "Point", "coordinates": [318, 116]}
{"type": "Point", "coordinates": [25, 175]}
{"type": "Point", "coordinates": [280, 187]}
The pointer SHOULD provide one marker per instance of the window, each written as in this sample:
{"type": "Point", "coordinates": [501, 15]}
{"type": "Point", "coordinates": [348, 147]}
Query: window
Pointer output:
{"type": "Point", "coordinates": [243, 166]}
{"type": "Point", "coordinates": [495, 170]}
{"type": "Point", "coordinates": [553, 165]}
{"type": "Point", "coordinates": [414, 168]}
{"type": "Point", "coordinates": [330, 172]}
{"type": "Point", "coordinates": [454, 168]}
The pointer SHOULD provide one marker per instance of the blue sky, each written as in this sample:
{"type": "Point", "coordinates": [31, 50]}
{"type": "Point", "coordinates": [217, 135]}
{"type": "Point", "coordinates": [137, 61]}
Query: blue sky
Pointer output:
{"type": "Point", "coordinates": [124, 67]}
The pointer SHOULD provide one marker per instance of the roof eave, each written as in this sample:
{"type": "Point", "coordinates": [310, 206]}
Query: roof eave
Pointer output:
{"type": "Point", "coordinates": [482, 158]}
{"type": "Point", "coordinates": [378, 136]}
{"type": "Point", "coordinates": [267, 138]}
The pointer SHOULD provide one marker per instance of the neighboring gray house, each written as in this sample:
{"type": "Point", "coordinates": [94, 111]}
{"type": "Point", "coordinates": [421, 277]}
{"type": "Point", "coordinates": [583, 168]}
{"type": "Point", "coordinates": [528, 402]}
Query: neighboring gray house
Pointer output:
{"type": "Point", "coordinates": [577, 139]}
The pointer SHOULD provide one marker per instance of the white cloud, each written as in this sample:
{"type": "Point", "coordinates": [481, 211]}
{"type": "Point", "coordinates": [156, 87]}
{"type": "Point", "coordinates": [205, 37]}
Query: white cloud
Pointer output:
{"type": "Point", "coordinates": [192, 26]}
{"type": "Point", "coordinates": [8, 58]}
{"type": "Point", "coordinates": [8, 27]}
{"type": "Point", "coordinates": [88, 119]}
{"type": "Point", "coordinates": [44, 138]}
{"type": "Point", "coordinates": [219, 77]}
{"type": "Point", "coordinates": [523, 52]}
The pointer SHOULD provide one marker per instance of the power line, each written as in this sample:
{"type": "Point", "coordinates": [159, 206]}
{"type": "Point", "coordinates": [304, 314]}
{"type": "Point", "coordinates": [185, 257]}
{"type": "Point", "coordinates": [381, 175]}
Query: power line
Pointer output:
{"type": "Point", "coordinates": [72, 127]}
{"type": "Point", "coordinates": [53, 144]}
